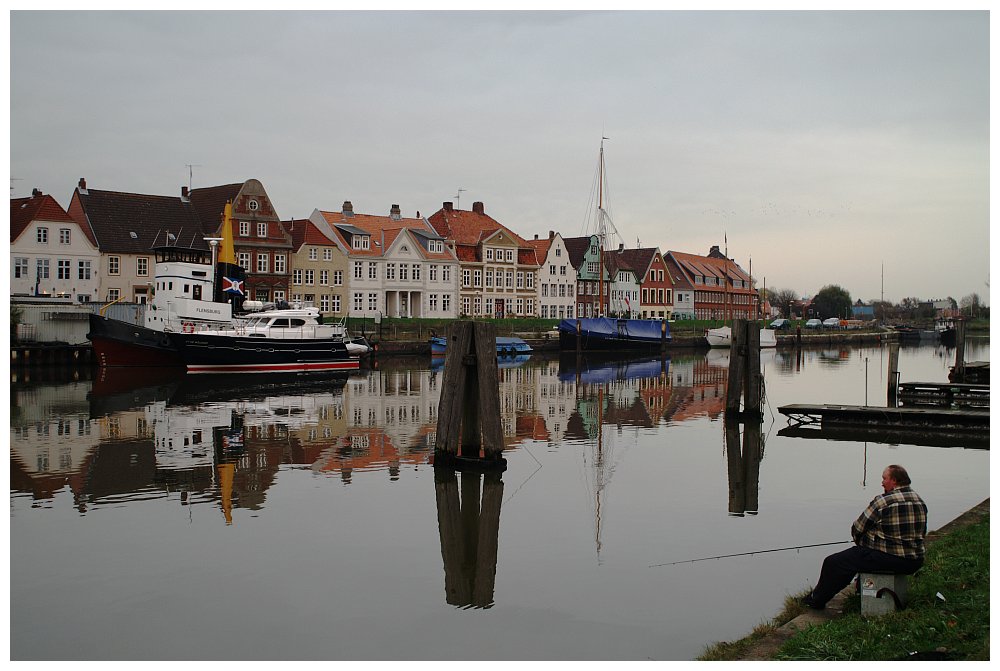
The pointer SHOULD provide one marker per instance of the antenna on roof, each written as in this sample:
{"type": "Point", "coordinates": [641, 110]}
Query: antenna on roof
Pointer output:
{"type": "Point", "coordinates": [458, 199]}
{"type": "Point", "coordinates": [191, 167]}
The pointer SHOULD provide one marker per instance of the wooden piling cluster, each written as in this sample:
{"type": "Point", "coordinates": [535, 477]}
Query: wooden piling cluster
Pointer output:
{"type": "Point", "coordinates": [745, 379]}
{"type": "Point", "coordinates": [469, 432]}
{"type": "Point", "coordinates": [41, 354]}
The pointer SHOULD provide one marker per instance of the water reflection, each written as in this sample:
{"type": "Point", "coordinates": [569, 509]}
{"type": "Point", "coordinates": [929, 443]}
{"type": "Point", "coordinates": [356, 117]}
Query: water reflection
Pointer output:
{"type": "Point", "coordinates": [160, 434]}
{"type": "Point", "coordinates": [743, 463]}
{"type": "Point", "coordinates": [469, 528]}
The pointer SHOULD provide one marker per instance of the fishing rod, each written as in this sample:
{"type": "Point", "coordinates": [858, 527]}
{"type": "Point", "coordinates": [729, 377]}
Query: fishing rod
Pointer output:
{"type": "Point", "coordinates": [755, 552]}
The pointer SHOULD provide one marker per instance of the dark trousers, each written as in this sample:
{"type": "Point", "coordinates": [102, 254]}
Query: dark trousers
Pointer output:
{"type": "Point", "coordinates": [839, 569]}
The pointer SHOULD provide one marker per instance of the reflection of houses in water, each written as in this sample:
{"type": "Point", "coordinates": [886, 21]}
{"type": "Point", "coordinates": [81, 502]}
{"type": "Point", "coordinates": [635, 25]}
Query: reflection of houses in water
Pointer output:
{"type": "Point", "coordinates": [52, 438]}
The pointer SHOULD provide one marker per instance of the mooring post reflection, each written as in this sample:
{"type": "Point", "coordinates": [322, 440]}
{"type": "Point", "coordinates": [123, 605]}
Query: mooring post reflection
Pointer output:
{"type": "Point", "coordinates": [470, 530]}
{"type": "Point", "coordinates": [744, 467]}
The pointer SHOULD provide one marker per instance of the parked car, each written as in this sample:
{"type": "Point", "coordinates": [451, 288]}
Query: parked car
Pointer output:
{"type": "Point", "coordinates": [814, 324]}
{"type": "Point", "coordinates": [832, 322]}
{"type": "Point", "coordinates": [781, 324]}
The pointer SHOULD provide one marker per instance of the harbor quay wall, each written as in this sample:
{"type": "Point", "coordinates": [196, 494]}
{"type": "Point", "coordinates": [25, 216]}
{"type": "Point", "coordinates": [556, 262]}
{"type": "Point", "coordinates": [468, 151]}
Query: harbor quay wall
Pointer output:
{"type": "Point", "coordinates": [68, 354]}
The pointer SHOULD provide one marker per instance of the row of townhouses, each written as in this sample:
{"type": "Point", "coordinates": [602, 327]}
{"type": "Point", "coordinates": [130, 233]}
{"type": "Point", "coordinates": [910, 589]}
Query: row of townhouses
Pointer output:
{"type": "Point", "coordinates": [449, 264]}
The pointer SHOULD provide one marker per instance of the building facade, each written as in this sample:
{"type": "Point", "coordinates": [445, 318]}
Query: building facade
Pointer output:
{"type": "Point", "coordinates": [50, 253]}
{"type": "Point", "coordinates": [263, 246]}
{"type": "Point", "coordinates": [722, 290]}
{"type": "Point", "coordinates": [498, 268]}
{"type": "Point", "coordinates": [556, 278]}
{"type": "Point", "coordinates": [319, 266]}
{"type": "Point", "coordinates": [585, 256]}
{"type": "Point", "coordinates": [399, 266]}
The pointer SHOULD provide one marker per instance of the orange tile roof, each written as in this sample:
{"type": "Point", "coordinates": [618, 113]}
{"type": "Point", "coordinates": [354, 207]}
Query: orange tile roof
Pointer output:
{"type": "Point", "coordinates": [709, 266]}
{"type": "Point", "coordinates": [39, 207]}
{"type": "Point", "coordinates": [305, 232]}
{"type": "Point", "coordinates": [469, 228]}
{"type": "Point", "coordinates": [384, 230]}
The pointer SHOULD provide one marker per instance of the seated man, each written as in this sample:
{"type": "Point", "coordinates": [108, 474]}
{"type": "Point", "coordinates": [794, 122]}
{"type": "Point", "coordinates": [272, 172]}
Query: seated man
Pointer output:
{"type": "Point", "coordinates": [888, 537]}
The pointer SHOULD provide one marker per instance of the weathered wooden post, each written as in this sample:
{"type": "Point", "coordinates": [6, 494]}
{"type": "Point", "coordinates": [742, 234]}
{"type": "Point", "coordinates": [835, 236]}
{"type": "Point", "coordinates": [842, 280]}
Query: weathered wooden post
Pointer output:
{"type": "Point", "coordinates": [893, 382]}
{"type": "Point", "coordinates": [737, 365]}
{"type": "Point", "coordinates": [469, 410]}
{"type": "Point", "coordinates": [744, 371]}
{"type": "Point", "coordinates": [959, 370]}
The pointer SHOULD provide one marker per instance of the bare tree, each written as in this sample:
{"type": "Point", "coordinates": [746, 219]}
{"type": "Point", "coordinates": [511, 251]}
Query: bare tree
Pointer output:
{"type": "Point", "coordinates": [783, 299]}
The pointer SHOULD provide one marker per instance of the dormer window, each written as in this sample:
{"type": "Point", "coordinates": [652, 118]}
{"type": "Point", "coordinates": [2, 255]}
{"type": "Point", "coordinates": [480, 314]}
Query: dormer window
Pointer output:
{"type": "Point", "coordinates": [361, 242]}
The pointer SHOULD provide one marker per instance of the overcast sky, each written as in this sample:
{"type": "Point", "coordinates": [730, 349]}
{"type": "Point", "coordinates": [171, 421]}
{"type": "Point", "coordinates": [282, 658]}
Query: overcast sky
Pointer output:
{"type": "Point", "coordinates": [821, 145]}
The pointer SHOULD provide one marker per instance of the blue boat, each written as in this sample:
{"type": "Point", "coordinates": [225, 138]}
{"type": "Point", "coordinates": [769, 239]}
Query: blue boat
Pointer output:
{"type": "Point", "coordinates": [603, 334]}
{"type": "Point", "coordinates": [506, 346]}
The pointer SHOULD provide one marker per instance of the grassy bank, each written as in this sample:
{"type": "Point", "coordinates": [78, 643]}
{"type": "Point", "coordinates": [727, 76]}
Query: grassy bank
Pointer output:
{"type": "Point", "coordinates": [956, 627]}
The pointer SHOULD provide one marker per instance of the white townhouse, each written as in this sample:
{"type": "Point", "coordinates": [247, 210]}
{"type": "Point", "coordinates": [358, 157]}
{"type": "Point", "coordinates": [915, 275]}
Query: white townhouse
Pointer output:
{"type": "Point", "coordinates": [397, 267]}
{"type": "Point", "coordinates": [50, 253]}
{"type": "Point", "coordinates": [556, 278]}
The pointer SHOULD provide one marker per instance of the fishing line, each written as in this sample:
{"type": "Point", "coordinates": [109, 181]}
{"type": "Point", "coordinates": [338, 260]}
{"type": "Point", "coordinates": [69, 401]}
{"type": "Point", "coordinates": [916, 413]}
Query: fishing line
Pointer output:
{"type": "Point", "coordinates": [755, 552]}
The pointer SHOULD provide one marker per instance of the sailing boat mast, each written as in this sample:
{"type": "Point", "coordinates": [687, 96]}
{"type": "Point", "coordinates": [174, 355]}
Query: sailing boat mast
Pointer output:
{"type": "Point", "coordinates": [601, 232]}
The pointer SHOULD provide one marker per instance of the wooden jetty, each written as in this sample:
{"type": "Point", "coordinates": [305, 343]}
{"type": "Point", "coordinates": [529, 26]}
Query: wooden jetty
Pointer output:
{"type": "Point", "coordinates": [945, 394]}
{"type": "Point", "coordinates": [866, 415]}
{"type": "Point", "coordinates": [979, 440]}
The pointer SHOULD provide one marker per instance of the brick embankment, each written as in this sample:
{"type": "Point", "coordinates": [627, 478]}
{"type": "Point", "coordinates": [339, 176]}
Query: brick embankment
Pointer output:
{"type": "Point", "coordinates": [766, 648]}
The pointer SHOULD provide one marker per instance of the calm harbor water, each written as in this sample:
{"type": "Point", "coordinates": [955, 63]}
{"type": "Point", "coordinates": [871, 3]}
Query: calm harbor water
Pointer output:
{"type": "Point", "coordinates": [214, 519]}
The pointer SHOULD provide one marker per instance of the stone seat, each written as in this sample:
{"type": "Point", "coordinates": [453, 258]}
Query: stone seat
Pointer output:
{"type": "Point", "coordinates": [882, 593]}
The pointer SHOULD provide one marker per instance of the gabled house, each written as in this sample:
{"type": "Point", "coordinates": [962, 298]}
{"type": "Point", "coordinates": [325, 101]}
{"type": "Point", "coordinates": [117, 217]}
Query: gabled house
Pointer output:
{"type": "Point", "coordinates": [319, 267]}
{"type": "Point", "coordinates": [585, 257]}
{"type": "Point", "coordinates": [721, 288]}
{"type": "Point", "coordinates": [498, 267]}
{"type": "Point", "coordinates": [556, 278]}
{"type": "Point", "coordinates": [126, 227]}
{"type": "Point", "coordinates": [623, 297]}
{"type": "Point", "coordinates": [683, 307]}
{"type": "Point", "coordinates": [263, 246]}
{"type": "Point", "coordinates": [399, 266]}
{"type": "Point", "coordinates": [656, 287]}
{"type": "Point", "coordinates": [51, 254]}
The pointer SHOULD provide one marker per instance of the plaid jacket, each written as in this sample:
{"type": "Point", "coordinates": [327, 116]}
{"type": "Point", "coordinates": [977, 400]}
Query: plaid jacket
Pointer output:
{"type": "Point", "coordinates": [894, 523]}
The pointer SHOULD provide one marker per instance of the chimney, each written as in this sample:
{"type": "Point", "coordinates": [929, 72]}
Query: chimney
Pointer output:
{"type": "Point", "coordinates": [448, 206]}
{"type": "Point", "coordinates": [621, 247]}
{"type": "Point", "coordinates": [477, 207]}
{"type": "Point", "coordinates": [552, 234]}
{"type": "Point", "coordinates": [347, 209]}
{"type": "Point", "coordinates": [394, 213]}
{"type": "Point", "coordinates": [36, 192]}
{"type": "Point", "coordinates": [82, 185]}
{"type": "Point", "coordinates": [184, 194]}
{"type": "Point", "coordinates": [418, 214]}
{"type": "Point", "coordinates": [536, 236]}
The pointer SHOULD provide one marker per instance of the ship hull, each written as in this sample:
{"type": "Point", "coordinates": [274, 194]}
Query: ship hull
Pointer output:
{"type": "Point", "coordinates": [602, 335]}
{"type": "Point", "coordinates": [118, 343]}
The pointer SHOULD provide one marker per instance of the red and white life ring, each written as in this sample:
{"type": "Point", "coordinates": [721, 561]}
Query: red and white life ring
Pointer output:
{"type": "Point", "coordinates": [188, 327]}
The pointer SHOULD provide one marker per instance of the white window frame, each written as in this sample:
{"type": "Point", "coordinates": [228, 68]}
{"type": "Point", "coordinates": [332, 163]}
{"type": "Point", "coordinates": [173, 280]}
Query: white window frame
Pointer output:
{"type": "Point", "coordinates": [261, 229]}
{"type": "Point", "coordinates": [142, 266]}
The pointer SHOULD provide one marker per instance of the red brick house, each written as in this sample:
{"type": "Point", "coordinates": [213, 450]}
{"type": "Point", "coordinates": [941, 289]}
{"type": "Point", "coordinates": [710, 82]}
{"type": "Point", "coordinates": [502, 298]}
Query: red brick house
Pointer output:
{"type": "Point", "coordinates": [721, 288]}
{"type": "Point", "coordinates": [263, 247]}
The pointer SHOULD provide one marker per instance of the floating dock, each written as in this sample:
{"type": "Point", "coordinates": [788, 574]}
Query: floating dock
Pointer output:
{"type": "Point", "coordinates": [944, 394]}
{"type": "Point", "coordinates": [933, 418]}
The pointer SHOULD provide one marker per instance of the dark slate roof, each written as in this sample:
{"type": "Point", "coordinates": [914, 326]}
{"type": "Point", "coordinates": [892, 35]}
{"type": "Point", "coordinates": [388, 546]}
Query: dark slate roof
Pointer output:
{"type": "Point", "coordinates": [114, 217]}
{"type": "Point", "coordinates": [210, 203]}
{"type": "Point", "coordinates": [639, 259]}
{"type": "Point", "coordinates": [577, 249]}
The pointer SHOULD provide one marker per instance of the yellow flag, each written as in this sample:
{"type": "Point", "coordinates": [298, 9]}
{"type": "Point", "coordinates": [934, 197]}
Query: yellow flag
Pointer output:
{"type": "Point", "coordinates": [227, 254]}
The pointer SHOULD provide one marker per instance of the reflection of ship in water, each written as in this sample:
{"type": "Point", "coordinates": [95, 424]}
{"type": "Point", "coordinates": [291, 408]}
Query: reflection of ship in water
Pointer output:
{"type": "Point", "coordinates": [134, 437]}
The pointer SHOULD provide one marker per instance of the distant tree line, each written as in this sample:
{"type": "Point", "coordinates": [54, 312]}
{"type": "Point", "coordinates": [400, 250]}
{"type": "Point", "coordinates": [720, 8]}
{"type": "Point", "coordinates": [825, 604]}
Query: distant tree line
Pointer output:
{"type": "Point", "coordinates": [835, 301]}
